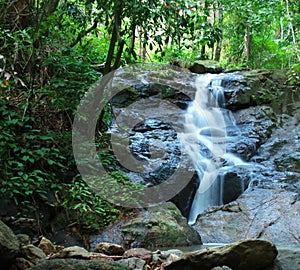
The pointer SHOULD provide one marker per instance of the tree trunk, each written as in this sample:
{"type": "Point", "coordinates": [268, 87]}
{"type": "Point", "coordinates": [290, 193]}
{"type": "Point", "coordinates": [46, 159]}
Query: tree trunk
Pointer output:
{"type": "Point", "coordinates": [115, 36]}
{"type": "Point", "coordinates": [248, 42]}
{"type": "Point", "coordinates": [218, 49]}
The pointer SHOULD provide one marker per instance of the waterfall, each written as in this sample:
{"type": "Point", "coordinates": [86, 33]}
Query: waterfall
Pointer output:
{"type": "Point", "coordinates": [204, 139]}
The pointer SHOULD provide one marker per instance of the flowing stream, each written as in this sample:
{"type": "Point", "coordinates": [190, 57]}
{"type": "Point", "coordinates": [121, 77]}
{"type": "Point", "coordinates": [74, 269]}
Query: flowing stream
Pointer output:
{"type": "Point", "coordinates": [204, 139]}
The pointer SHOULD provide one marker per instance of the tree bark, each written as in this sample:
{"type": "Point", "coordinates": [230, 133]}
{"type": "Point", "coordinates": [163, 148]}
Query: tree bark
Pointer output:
{"type": "Point", "coordinates": [248, 42]}
{"type": "Point", "coordinates": [218, 49]}
{"type": "Point", "coordinates": [115, 35]}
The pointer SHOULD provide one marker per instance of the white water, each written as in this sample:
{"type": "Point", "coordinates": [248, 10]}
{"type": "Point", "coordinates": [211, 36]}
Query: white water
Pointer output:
{"type": "Point", "coordinates": [204, 140]}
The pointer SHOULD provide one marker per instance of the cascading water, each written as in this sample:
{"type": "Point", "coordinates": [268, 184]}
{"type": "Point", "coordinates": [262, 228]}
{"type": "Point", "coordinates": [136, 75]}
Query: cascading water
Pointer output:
{"type": "Point", "coordinates": [205, 139]}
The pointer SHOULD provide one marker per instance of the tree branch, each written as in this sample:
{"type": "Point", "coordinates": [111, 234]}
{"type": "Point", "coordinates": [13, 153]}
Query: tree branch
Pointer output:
{"type": "Point", "coordinates": [84, 33]}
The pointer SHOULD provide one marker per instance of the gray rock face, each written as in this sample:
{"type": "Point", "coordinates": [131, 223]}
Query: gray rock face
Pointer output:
{"type": "Point", "coordinates": [271, 214]}
{"type": "Point", "coordinates": [9, 246]}
{"type": "Point", "coordinates": [288, 258]}
{"type": "Point", "coordinates": [244, 255]}
{"type": "Point", "coordinates": [76, 264]}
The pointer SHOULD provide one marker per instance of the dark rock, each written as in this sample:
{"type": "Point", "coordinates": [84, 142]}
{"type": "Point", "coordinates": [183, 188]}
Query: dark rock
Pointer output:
{"type": "Point", "coordinates": [9, 246]}
{"type": "Point", "coordinates": [235, 182]}
{"type": "Point", "coordinates": [76, 264]}
{"type": "Point", "coordinates": [244, 255]}
{"type": "Point", "coordinates": [184, 199]}
{"type": "Point", "coordinates": [206, 66]}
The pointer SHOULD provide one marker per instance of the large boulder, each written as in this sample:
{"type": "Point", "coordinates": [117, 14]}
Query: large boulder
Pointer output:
{"type": "Point", "coordinates": [9, 246]}
{"type": "Point", "coordinates": [271, 214]}
{"type": "Point", "coordinates": [76, 264]}
{"type": "Point", "coordinates": [244, 255]}
{"type": "Point", "coordinates": [160, 226]}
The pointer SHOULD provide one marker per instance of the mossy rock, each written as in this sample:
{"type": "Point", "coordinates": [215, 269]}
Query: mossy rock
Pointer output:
{"type": "Point", "coordinates": [160, 226]}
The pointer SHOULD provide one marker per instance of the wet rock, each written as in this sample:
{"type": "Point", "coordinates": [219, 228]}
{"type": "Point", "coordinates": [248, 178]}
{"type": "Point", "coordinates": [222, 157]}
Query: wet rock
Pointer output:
{"type": "Point", "coordinates": [160, 226]}
{"type": "Point", "coordinates": [184, 199]}
{"type": "Point", "coordinates": [235, 182]}
{"type": "Point", "coordinates": [9, 246]}
{"type": "Point", "coordinates": [244, 255]}
{"type": "Point", "coordinates": [271, 214]}
{"type": "Point", "coordinates": [76, 264]}
{"type": "Point", "coordinates": [109, 249]}
{"type": "Point", "coordinates": [32, 254]}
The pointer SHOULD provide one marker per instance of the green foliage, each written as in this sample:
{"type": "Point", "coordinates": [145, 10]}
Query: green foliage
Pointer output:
{"type": "Point", "coordinates": [294, 74]}
{"type": "Point", "coordinates": [29, 159]}
{"type": "Point", "coordinates": [92, 212]}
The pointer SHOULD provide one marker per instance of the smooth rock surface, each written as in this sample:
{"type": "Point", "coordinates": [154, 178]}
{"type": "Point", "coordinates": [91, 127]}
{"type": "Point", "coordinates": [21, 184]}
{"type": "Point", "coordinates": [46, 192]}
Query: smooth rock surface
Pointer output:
{"type": "Point", "coordinates": [244, 255]}
{"type": "Point", "coordinates": [271, 214]}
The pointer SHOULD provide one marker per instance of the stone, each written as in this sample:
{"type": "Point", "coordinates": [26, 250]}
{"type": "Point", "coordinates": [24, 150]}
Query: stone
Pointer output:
{"type": "Point", "coordinates": [109, 249]}
{"type": "Point", "coordinates": [167, 253]}
{"type": "Point", "coordinates": [47, 246]}
{"type": "Point", "coordinates": [138, 252]}
{"type": "Point", "coordinates": [24, 239]}
{"type": "Point", "coordinates": [206, 66]}
{"type": "Point", "coordinates": [9, 246]}
{"type": "Point", "coordinates": [73, 252]}
{"type": "Point", "coordinates": [133, 263]}
{"type": "Point", "coordinates": [243, 255]}
{"type": "Point", "coordinates": [77, 264]}
{"type": "Point", "coordinates": [32, 253]}
{"type": "Point", "coordinates": [160, 226]}
{"type": "Point", "coordinates": [288, 258]}
{"type": "Point", "coordinates": [270, 214]}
